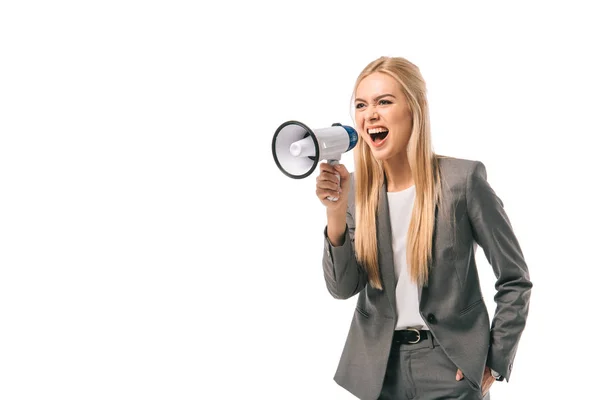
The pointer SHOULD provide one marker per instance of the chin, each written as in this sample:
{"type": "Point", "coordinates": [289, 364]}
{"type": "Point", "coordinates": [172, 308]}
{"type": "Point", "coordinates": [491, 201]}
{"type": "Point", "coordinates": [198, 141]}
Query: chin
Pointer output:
{"type": "Point", "coordinates": [380, 155]}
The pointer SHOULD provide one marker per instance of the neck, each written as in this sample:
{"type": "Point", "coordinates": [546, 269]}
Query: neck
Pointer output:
{"type": "Point", "coordinates": [398, 174]}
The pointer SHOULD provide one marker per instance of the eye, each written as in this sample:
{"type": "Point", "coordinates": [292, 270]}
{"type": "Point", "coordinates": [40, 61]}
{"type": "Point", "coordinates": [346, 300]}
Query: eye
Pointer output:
{"type": "Point", "coordinates": [359, 105]}
{"type": "Point", "coordinates": [385, 102]}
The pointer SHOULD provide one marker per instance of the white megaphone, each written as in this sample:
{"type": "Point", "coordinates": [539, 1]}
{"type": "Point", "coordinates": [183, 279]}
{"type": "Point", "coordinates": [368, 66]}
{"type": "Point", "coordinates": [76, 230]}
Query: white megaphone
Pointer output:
{"type": "Point", "coordinates": [297, 149]}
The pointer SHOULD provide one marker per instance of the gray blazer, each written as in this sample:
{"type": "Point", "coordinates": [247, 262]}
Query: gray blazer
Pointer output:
{"type": "Point", "coordinates": [452, 305]}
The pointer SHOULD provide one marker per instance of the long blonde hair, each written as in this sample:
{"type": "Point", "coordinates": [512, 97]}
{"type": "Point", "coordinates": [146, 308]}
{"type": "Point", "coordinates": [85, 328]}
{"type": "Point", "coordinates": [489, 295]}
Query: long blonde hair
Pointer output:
{"type": "Point", "coordinates": [369, 177]}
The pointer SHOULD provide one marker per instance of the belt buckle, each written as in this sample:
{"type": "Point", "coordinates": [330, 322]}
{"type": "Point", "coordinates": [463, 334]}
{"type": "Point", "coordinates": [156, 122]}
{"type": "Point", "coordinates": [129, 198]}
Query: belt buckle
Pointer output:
{"type": "Point", "coordinates": [418, 335]}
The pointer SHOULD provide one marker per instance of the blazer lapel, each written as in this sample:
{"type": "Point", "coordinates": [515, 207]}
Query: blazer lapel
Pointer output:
{"type": "Point", "coordinates": [424, 291]}
{"type": "Point", "coordinates": [384, 244]}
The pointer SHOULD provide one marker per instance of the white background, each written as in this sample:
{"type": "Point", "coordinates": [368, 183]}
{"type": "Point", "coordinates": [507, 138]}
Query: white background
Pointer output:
{"type": "Point", "coordinates": [151, 249]}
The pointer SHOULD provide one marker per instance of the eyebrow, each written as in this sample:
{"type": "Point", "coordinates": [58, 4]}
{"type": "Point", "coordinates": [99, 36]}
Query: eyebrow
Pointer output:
{"type": "Point", "coordinates": [378, 97]}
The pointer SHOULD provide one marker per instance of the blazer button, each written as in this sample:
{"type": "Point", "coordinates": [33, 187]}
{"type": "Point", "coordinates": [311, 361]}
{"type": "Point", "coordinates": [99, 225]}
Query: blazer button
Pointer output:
{"type": "Point", "coordinates": [431, 318]}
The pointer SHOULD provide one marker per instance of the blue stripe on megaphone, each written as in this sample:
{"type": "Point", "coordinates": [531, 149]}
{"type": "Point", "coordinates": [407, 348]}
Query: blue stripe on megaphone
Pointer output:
{"type": "Point", "coordinates": [353, 135]}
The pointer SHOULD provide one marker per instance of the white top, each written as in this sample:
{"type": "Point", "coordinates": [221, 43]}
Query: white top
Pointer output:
{"type": "Point", "coordinates": [407, 295]}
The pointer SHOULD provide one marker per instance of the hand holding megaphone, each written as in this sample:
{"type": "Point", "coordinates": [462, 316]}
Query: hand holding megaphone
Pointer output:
{"type": "Point", "coordinates": [333, 186]}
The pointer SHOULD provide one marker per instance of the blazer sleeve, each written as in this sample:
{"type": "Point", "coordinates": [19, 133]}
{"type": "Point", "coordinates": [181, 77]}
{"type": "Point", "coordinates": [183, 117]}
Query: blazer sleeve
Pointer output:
{"type": "Point", "coordinates": [494, 234]}
{"type": "Point", "coordinates": [344, 277]}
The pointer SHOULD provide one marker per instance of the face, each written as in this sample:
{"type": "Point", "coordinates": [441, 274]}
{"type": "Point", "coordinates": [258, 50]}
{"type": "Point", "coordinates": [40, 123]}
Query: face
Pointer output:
{"type": "Point", "coordinates": [382, 116]}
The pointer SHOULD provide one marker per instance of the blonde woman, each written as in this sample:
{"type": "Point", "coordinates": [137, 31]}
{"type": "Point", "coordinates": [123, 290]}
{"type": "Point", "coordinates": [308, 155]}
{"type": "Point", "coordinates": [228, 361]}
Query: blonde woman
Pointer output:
{"type": "Point", "coordinates": [403, 236]}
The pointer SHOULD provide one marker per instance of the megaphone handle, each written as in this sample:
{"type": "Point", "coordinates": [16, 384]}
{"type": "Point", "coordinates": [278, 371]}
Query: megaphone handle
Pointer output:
{"type": "Point", "coordinates": [334, 162]}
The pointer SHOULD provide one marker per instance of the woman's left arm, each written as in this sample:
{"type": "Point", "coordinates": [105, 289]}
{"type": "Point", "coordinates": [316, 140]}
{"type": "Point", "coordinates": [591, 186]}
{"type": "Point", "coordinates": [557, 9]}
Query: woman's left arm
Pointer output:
{"type": "Point", "coordinates": [493, 232]}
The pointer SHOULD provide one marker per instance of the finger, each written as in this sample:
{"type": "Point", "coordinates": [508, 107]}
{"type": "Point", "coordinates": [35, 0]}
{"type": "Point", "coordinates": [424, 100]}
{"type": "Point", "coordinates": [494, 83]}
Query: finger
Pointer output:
{"type": "Point", "coordinates": [323, 194]}
{"type": "Point", "coordinates": [327, 185]}
{"type": "Point", "coordinates": [459, 375]}
{"type": "Point", "coordinates": [341, 169]}
{"type": "Point", "coordinates": [486, 388]}
{"type": "Point", "coordinates": [328, 167]}
{"type": "Point", "coordinates": [328, 176]}
{"type": "Point", "coordinates": [487, 371]}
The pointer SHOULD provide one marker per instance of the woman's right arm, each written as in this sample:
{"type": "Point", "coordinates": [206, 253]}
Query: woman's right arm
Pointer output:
{"type": "Point", "coordinates": [344, 277]}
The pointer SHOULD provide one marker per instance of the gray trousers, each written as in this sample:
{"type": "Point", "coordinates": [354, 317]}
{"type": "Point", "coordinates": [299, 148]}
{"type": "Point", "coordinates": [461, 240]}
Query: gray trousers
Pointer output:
{"type": "Point", "coordinates": [422, 371]}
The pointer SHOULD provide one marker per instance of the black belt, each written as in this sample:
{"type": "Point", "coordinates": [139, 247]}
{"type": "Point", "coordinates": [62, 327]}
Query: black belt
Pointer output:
{"type": "Point", "coordinates": [409, 336]}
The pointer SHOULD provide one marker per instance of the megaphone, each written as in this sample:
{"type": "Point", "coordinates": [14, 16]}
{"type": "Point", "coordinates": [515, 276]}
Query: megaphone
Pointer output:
{"type": "Point", "coordinates": [297, 149]}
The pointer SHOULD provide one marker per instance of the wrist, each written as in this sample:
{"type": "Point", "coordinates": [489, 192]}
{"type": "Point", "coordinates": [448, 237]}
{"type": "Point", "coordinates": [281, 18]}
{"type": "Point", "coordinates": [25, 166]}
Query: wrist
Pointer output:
{"type": "Point", "coordinates": [336, 235]}
{"type": "Point", "coordinates": [336, 224]}
{"type": "Point", "coordinates": [337, 212]}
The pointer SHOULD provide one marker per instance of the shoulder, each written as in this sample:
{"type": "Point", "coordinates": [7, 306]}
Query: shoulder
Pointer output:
{"type": "Point", "coordinates": [458, 166]}
{"type": "Point", "coordinates": [460, 171]}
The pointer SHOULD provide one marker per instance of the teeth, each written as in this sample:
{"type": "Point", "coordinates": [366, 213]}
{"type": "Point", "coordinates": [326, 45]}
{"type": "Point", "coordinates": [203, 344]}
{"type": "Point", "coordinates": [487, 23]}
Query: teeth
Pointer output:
{"type": "Point", "coordinates": [376, 130]}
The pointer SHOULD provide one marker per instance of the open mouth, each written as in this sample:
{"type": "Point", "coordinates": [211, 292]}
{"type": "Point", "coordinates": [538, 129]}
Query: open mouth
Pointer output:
{"type": "Point", "coordinates": [378, 134]}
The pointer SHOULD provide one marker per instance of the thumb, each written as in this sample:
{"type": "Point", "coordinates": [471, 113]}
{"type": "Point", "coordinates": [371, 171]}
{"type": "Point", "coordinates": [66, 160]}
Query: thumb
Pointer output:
{"type": "Point", "coordinates": [341, 169]}
{"type": "Point", "coordinates": [459, 375]}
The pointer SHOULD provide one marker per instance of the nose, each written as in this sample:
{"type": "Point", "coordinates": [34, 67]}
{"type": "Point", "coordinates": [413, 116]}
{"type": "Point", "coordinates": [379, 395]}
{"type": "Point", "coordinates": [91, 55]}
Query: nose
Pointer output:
{"type": "Point", "coordinates": [372, 116]}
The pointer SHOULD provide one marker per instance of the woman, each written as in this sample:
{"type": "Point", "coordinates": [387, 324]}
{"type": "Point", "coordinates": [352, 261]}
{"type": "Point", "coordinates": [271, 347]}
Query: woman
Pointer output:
{"type": "Point", "coordinates": [403, 235]}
